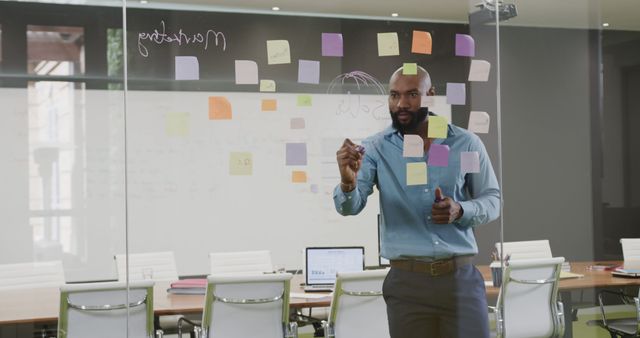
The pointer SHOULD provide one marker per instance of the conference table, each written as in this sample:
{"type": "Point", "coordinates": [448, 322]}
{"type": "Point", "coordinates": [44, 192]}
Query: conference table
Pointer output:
{"type": "Point", "coordinates": [42, 305]}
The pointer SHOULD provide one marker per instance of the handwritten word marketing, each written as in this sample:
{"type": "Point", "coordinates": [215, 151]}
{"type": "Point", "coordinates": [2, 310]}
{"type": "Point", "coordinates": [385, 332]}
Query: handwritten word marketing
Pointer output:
{"type": "Point", "coordinates": [180, 38]}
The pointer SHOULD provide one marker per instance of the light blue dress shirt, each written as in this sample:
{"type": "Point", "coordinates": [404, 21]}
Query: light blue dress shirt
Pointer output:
{"type": "Point", "coordinates": [406, 229]}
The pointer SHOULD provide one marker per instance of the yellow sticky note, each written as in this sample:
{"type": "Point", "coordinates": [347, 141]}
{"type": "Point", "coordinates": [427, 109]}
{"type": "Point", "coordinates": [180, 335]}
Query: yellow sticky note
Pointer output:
{"type": "Point", "coordinates": [269, 105]}
{"type": "Point", "coordinates": [388, 44]}
{"type": "Point", "coordinates": [267, 86]}
{"type": "Point", "coordinates": [240, 164]}
{"type": "Point", "coordinates": [409, 69]}
{"type": "Point", "coordinates": [177, 124]}
{"type": "Point", "coordinates": [299, 176]}
{"type": "Point", "coordinates": [421, 43]}
{"type": "Point", "coordinates": [278, 52]}
{"type": "Point", "coordinates": [304, 100]}
{"type": "Point", "coordinates": [416, 173]}
{"type": "Point", "coordinates": [219, 108]}
{"type": "Point", "coordinates": [437, 127]}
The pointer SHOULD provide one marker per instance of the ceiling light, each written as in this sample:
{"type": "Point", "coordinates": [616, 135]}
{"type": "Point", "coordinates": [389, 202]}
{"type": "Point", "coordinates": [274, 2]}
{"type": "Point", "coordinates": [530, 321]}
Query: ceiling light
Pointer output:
{"type": "Point", "coordinates": [606, 24]}
{"type": "Point", "coordinates": [275, 8]}
{"type": "Point", "coordinates": [394, 14]}
{"type": "Point", "coordinates": [144, 2]}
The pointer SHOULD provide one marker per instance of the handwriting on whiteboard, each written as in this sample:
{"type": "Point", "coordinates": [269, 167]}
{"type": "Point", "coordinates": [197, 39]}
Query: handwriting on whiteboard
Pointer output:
{"type": "Point", "coordinates": [180, 38]}
{"type": "Point", "coordinates": [355, 104]}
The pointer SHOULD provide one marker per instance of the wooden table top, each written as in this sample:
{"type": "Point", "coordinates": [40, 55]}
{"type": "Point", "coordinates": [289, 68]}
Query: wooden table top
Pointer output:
{"type": "Point", "coordinates": [42, 305]}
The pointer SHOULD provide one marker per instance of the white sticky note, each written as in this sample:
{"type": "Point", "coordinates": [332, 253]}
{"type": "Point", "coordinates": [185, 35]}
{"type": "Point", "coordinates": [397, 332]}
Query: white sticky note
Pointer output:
{"type": "Point", "coordinates": [416, 173]}
{"type": "Point", "coordinates": [388, 44]}
{"type": "Point", "coordinates": [479, 70]}
{"type": "Point", "coordinates": [278, 52]}
{"type": "Point", "coordinates": [267, 86]}
{"type": "Point", "coordinates": [413, 146]}
{"type": "Point", "coordinates": [469, 162]}
{"type": "Point", "coordinates": [246, 72]}
{"type": "Point", "coordinates": [427, 101]}
{"type": "Point", "coordinates": [187, 68]}
{"type": "Point", "coordinates": [479, 122]}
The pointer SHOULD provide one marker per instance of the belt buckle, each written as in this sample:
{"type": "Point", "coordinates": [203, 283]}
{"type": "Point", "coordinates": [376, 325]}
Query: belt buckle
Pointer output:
{"type": "Point", "coordinates": [435, 268]}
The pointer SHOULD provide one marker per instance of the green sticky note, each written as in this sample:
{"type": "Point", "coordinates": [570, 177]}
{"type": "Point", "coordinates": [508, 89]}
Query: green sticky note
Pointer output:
{"type": "Point", "coordinates": [278, 52]}
{"type": "Point", "coordinates": [177, 124]}
{"type": "Point", "coordinates": [388, 44]}
{"type": "Point", "coordinates": [240, 164]}
{"type": "Point", "coordinates": [267, 86]}
{"type": "Point", "coordinates": [304, 101]}
{"type": "Point", "coordinates": [416, 173]}
{"type": "Point", "coordinates": [410, 69]}
{"type": "Point", "coordinates": [437, 127]}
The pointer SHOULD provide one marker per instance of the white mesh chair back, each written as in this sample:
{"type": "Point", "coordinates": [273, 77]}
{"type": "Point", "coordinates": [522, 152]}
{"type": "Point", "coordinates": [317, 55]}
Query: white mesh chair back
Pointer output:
{"type": "Point", "coordinates": [242, 306]}
{"type": "Point", "coordinates": [99, 310]}
{"type": "Point", "coordinates": [526, 249]}
{"type": "Point", "coordinates": [358, 308]}
{"type": "Point", "coordinates": [527, 302]}
{"type": "Point", "coordinates": [31, 275]}
{"type": "Point", "coordinates": [161, 266]}
{"type": "Point", "coordinates": [240, 262]}
{"type": "Point", "coordinates": [630, 249]}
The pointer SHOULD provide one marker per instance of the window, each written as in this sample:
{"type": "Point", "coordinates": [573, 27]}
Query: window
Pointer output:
{"type": "Point", "coordinates": [55, 50]}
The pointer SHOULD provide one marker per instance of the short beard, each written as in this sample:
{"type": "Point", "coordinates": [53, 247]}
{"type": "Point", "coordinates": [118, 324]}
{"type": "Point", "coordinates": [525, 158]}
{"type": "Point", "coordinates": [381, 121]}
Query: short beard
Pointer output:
{"type": "Point", "coordinates": [417, 117]}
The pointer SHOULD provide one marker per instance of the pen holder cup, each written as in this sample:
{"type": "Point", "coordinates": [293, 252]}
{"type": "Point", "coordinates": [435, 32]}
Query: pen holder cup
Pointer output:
{"type": "Point", "coordinates": [496, 274]}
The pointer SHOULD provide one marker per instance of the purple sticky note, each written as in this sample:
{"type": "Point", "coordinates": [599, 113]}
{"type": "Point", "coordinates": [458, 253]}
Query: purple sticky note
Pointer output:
{"type": "Point", "coordinates": [465, 46]}
{"type": "Point", "coordinates": [332, 44]}
{"type": "Point", "coordinates": [309, 71]}
{"type": "Point", "coordinates": [187, 68]}
{"type": "Point", "coordinates": [438, 155]}
{"type": "Point", "coordinates": [296, 154]}
{"type": "Point", "coordinates": [314, 188]}
{"type": "Point", "coordinates": [469, 162]}
{"type": "Point", "coordinates": [456, 93]}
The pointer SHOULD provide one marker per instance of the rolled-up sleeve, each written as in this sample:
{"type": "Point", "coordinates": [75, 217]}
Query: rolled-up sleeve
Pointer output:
{"type": "Point", "coordinates": [352, 202]}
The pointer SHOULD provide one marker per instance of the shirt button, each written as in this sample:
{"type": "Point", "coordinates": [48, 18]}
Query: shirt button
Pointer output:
{"type": "Point", "coordinates": [436, 242]}
{"type": "Point", "coordinates": [426, 190]}
{"type": "Point", "coordinates": [348, 197]}
{"type": "Point", "coordinates": [429, 217]}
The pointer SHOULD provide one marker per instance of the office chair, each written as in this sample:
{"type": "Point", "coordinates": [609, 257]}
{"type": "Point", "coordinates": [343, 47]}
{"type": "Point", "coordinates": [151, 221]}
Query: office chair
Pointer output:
{"type": "Point", "coordinates": [630, 249]}
{"type": "Point", "coordinates": [31, 275]}
{"type": "Point", "coordinates": [525, 249]}
{"type": "Point", "coordinates": [246, 305]}
{"type": "Point", "coordinates": [357, 308]}
{"type": "Point", "coordinates": [240, 262]}
{"type": "Point", "coordinates": [100, 310]}
{"type": "Point", "coordinates": [527, 304]}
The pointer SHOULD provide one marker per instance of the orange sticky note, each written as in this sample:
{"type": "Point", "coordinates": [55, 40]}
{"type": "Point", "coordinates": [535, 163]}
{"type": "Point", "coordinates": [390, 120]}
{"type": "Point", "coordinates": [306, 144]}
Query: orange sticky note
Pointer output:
{"type": "Point", "coordinates": [299, 176]}
{"type": "Point", "coordinates": [269, 105]}
{"type": "Point", "coordinates": [219, 108]}
{"type": "Point", "coordinates": [421, 42]}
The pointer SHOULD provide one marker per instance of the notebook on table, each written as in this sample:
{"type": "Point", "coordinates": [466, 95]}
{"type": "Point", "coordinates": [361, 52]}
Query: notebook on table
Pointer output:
{"type": "Point", "coordinates": [322, 264]}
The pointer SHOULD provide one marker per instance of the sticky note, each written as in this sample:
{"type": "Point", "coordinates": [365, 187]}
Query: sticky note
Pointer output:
{"type": "Point", "coordinates": [438, 155]}
{"type": "Point", "coordinates": [332, 44]}
{"type": "Point", "coordinates": [269, 105]}
{"type": "Point", "coordinates": [437, 127]}
{"type": "Point", "coordinates": [427, 101]}
{"type": "Point", "coordinates": [456, 93]}
{"type": "Point", "coordinates": [187, 68]}
{"type": "Point", "coordinates": [308, 71]}
{"type": "Point", "coordinates": [465, 46]}
{"type": "Point", "coordinates": [469, 162]}
{"type": "Point", "coordinates": [416, 173]}
{"type": "Point", "coordinates": [479, 70]}
{"type": "Point", "coordinates": [240, 164]}
{"type": "Point", "coordinates": [304, 100]}
{"type": "Point", "coordinates": [297, 123]}
{"type": "Point", "coordinates": [412, 146]}
{"type": "Point", "coordinates": [421, 43]}
{"type": "Point", "coordinates": [177, 124]}
{"type": "Point", "coordinates": [278, 52]}
{"type": "Point", "coordinates": [299, 176]}
{"type": "Point", "coordinates": [314, 188]}
{"type": "Point", "coordinates": [267, 86]}
{"type": "Point", "coordinates": [296, 154]}
{"type": "Point", "coordinates": [479, 122]}
{"type": "Point", "coordinates": [409, 69]}
{"type": "Point", "coordinates": [246, 72]}
{"type": "Point", "coordinates": [388, 44]}
{"type": "Point", "coordinates": [219, 108]}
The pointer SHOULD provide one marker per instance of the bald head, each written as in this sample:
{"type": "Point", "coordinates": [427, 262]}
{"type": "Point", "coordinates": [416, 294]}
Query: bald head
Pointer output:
{"type": "Point", "coordinates": [424, 80]}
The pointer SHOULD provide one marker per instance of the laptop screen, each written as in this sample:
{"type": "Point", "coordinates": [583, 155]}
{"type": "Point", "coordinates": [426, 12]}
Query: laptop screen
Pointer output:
{"type": "Point", "coordinates": [322, 264]}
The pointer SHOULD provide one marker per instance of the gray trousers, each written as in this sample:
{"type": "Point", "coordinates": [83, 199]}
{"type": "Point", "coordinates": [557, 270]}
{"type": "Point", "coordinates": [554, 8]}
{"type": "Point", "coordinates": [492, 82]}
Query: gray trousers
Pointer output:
{"type": "Point", "coordinates": [447, 306]}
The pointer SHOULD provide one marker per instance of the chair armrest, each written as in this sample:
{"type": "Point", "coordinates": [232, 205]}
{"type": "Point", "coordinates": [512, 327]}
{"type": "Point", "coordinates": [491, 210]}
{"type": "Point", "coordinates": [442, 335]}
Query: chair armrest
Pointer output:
{"type": "Point", "coordinates": [328, 329]}
{"type": "Point", "coordinates": [159, 333]}
{"type": "Point", "coordinates": [292, 330]}
{"type": "Point", "coordinates": [620, 294]}
{"type": "Point", "coordinates": [561, 320]}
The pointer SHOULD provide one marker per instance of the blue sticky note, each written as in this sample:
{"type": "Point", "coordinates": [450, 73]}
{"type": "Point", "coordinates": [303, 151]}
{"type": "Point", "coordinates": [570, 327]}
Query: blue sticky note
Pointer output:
{"type": "Point", "coordinates": [465, 45]}
{"type": "Point", "coordinates": [332, 44]}
{"type": "Point", "coordinates": [187, 68]}
{"type": "Point", "coordinates": [456, 93]}
{"type": "Point", "coordinates": [309, 71]}
{"type": "Point", "coordinates": [296, 154]}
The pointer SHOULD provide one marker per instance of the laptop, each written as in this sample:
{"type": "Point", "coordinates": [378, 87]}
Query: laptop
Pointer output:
{"type": "Point", "coordinates": [322, 264]}
{"type": "Point", "coordinates": [629, 270]}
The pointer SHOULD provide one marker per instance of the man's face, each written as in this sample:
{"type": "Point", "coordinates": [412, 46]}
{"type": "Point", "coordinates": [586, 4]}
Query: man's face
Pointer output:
{"type": "Point", "coordinates": [405, 94]}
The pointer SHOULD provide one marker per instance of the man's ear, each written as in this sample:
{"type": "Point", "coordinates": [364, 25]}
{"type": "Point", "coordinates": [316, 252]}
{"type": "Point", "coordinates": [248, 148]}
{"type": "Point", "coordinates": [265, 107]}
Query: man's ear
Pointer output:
{"type": "Point", "coordinates": [431, 91]}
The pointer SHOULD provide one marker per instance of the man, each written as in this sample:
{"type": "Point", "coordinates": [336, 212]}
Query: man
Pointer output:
{"type": "Point", "coordinates": [432, 289]}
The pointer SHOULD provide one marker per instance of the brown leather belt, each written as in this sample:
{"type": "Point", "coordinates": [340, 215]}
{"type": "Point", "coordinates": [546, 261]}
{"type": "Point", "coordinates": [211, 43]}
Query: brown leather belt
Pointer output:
{"type": "Point", "coordinates": [436, 268]}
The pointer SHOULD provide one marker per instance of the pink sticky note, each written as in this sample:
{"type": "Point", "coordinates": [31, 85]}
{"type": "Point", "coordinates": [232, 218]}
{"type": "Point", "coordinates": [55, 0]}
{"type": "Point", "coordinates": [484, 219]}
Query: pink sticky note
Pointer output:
{"type": "Point", "coordinates": [332, 44]}
{"type": "Point", "coordinates": [297, 123]}
{"type": "Point", "coordinates": [309, 71]}
{"type": "Point", "coordinates": [438, 155]}
{"type": "Point", "coordinates": [465, 46]}
{"type": "Point", "coordinates": [456, 93]}
{"type": "Point", "coordinates": [469, 162]}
